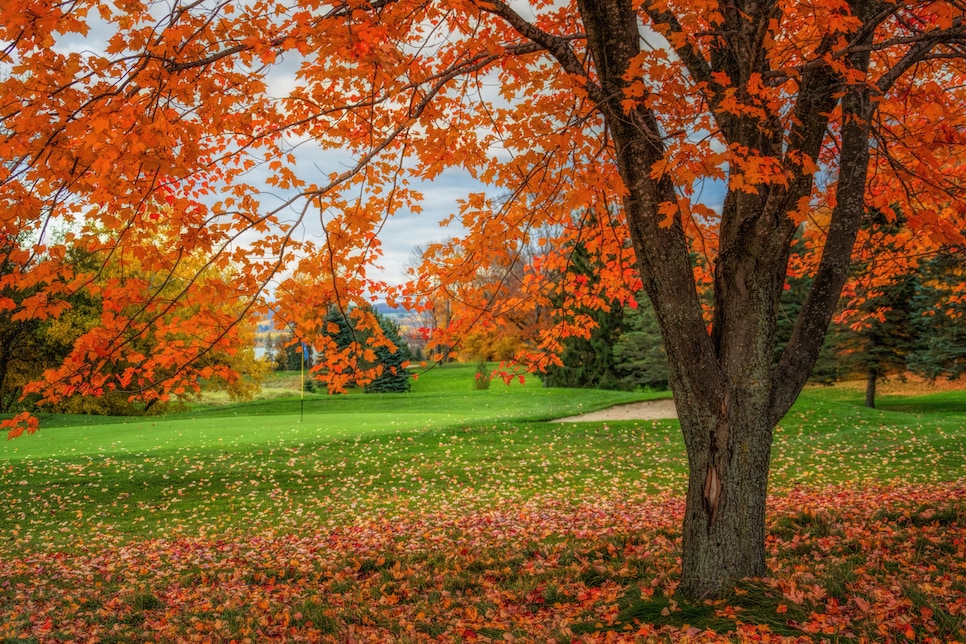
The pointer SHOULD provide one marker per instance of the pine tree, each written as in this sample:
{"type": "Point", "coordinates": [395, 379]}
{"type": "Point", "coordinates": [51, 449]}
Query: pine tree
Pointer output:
{"type": "Point", "coordinates": [939, 318]}
{"type": "Point", "coordinates": [639, 352]}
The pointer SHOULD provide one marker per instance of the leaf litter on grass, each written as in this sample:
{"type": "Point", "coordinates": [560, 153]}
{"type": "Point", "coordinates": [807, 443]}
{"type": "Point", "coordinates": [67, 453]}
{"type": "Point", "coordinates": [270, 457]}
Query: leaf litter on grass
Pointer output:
{"type": "Point", "coordinates": [490, 532]}
{"type": "Point", "coordinates": [871, 564]}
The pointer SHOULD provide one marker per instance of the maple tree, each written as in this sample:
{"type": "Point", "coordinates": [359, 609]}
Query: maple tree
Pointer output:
{"type": "Point", "coordinates": [606, 106]}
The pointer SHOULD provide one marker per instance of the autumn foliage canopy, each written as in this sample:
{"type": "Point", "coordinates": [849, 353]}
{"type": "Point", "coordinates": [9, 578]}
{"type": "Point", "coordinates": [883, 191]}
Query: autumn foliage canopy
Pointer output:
{"type": "Point", "coordinates": [168, 135]}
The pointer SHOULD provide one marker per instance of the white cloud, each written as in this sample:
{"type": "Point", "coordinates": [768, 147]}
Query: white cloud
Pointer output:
{"type": "Point", "coordinates": [400, 234]}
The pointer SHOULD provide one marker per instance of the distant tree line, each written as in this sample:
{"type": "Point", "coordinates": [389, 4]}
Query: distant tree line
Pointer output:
{"type": "Point", "coordinates": [32, 348]}
{"type": "Point", "coordinates": [912, 323]}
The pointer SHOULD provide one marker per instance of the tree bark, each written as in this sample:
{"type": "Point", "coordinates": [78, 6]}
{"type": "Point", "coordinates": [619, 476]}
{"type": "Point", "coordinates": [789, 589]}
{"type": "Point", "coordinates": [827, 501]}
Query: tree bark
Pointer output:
{"type": "Point", "coordinates": [730, 391]}
{"type": "Point", "coordinates": [870, 382]}
{"type": "Point", "coordinates": [724, 523]}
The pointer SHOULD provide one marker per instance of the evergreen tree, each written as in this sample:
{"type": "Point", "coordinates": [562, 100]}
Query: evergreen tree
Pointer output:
{"type": "Point", "coordinates": [639, 352]}
{"type": "Point", "coordinates": [394, 378]}
{"type": "Point", "coordinates": [939, 318]}
{"type": "Point", "coordinates": [589, 362]}
{"type": "Point", "coordinates": [625, 349]}
{"type": "Point", "coordinates": [878, 347]}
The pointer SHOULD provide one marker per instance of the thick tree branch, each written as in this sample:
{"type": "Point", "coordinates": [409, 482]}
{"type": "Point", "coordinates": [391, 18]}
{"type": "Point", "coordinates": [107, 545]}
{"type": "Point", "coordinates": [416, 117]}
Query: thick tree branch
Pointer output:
{"type": "Point", "coordinates": [915, 55]}
{"type": "Point", "coordinates": [802, 349]}
{"type": "Point", "coordinates": [663, 255]}
{"type": "Point", "coordinates": [698, 66]}
{"type": "Point", "coordinates": [557, 46]}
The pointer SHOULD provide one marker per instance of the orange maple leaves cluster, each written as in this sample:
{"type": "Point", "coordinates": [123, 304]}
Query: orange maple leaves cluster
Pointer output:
{"type": "Point", "coordinates": [187, 109]}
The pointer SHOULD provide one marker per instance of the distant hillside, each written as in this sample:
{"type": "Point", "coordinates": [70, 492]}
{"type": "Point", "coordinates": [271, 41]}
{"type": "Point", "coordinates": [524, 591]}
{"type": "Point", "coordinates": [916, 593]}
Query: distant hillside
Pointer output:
{"type": "Point", "coordinates": [397, 314]}
{"type": "Point", "coordinates": [389, 311]}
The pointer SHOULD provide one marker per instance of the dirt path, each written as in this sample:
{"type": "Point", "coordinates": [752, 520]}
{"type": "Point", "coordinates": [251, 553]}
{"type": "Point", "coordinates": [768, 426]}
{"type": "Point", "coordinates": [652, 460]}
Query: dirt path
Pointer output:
{"type": "Point", "coordinates": [657, 409]}
{"type": "Point", "coordinates": [649, 410]}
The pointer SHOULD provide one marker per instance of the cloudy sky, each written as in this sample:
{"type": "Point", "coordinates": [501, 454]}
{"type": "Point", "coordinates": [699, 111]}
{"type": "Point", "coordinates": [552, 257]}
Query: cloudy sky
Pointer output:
{"type": "Point", "coordinates": [402, 232]}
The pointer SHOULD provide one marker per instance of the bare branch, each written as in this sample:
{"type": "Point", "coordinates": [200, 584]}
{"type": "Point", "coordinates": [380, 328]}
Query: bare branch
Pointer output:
{"type": "Point", "coordinates": [917, 54]}
{"type": "Point", "coordinates": [557, 46]}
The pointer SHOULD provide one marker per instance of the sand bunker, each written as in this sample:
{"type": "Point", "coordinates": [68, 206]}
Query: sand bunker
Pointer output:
{"type": "Point", "coordinates": [649, 410]}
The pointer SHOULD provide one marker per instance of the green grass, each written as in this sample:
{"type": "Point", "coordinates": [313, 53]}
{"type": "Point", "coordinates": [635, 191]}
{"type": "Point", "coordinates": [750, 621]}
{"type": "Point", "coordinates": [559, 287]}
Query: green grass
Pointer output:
{"type": "Point", "coordinates": [446, 453]}
{"type": "Point", "coordinates": [223, 466]}
{"type": "Point", "coordinates": [443, 397]}
{"type": "Point", "coordinates": [219, 467]}
{"type": "Point", "coordinates": [829, 437]}
{"type": "Point", "coordinates": [943, 403]}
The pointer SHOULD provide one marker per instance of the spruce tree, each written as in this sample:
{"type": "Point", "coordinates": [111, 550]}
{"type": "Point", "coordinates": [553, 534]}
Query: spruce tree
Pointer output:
{"type": "Point", "coordinates": [939, 318]}
{"type": "Point", "coordinates": [639, 352]}
{"type": "Point", "coordinates": [394, 378]}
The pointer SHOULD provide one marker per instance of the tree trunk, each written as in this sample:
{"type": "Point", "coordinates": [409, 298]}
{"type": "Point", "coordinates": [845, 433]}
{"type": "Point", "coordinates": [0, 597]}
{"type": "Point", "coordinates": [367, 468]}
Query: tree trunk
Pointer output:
{"type": "Point", "coordinates": [729, 391]}
{"type": "Point", "coordinates": [722, 547]}
{"type": "Point", "coordinates": [870, 381]}
{"type": "Point", "coordinates": [724, 524]}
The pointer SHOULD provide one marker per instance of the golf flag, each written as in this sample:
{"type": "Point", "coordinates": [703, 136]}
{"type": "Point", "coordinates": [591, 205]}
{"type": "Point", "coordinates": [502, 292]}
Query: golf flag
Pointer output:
{"type": "Point", "coordinates": [305, 358]}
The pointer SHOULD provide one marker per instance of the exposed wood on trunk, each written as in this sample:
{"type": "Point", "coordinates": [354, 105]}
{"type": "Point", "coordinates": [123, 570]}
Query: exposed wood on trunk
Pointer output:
{"type": "Point", "coordinates": [712, 493]}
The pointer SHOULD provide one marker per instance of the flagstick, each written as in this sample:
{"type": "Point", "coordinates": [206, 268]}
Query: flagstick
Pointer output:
{"type": "Point", "coordinates": [302, 386]}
